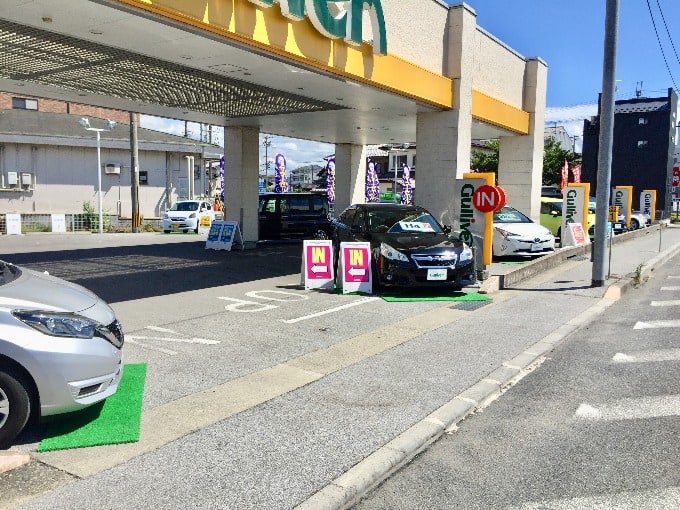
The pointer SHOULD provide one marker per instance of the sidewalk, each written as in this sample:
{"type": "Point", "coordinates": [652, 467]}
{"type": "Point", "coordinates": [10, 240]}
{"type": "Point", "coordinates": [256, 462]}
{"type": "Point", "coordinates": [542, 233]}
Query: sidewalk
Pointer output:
{"type": "Point", "coordinates": [634, 257]}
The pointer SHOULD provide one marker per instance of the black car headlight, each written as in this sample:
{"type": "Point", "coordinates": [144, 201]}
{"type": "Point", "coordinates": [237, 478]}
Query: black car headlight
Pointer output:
{"type": "Point", "coordinates": [391, 253]}
{"type": "Point", "coordinates": [67, 325]}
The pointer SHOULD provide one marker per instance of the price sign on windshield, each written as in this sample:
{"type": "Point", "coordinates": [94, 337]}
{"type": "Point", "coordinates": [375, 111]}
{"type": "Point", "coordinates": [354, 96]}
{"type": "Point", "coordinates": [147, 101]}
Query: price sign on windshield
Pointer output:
{"type": "Point", "coordinates": [415, 226]}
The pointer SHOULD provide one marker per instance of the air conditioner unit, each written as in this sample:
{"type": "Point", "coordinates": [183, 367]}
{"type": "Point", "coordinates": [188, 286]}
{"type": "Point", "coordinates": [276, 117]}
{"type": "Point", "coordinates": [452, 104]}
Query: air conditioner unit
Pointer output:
{"type": "Point", "coordinates": [26, 179]}
{"type": "Point", "coordinates": [12, 178]}
{"type": "Point", "coordinates": [112, 169]}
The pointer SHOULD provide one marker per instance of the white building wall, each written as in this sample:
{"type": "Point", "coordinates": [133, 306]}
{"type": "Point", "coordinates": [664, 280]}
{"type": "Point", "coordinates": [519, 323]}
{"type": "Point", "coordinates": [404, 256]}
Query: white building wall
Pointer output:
{"type": "Point", "coordinates": [497, 70]}
{"type": "Point", "coordinates": [66, 177]}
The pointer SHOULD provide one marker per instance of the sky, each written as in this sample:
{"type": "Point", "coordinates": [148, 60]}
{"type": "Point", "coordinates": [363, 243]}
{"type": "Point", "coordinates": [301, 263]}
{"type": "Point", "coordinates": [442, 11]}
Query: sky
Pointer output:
{"type": "Point", "coordinates": [569, 37]}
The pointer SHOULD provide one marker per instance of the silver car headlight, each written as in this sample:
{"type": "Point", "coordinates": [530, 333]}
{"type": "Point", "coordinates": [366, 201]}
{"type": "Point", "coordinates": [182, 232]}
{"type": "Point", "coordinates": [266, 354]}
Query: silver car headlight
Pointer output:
{"type": "Point", "coordinates": [466, 254]}
{"type": "Point", "coordinates": [192, 215]}
{"type": "Point", "coordinates": [391, 253]}
{"type": "Point", "coordinates": [58, 324]}
{"type": "Point", "coordinates": [166, 216]}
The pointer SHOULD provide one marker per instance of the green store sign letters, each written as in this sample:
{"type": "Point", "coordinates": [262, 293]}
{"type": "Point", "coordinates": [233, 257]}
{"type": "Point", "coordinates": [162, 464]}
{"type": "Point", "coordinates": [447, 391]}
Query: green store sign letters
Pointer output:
{"type": "Point", "coordinates": [345, 23]}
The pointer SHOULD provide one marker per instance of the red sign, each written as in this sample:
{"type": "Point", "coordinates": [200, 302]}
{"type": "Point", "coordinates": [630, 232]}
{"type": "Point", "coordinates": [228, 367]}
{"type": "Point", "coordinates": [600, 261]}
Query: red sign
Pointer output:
{"type": "Point", "coordinates": [488, 198]}
{"type": "Point", "coordinates": [319, 260]}
{"type": "Point", "coordinates": [676, 177]}
{"type": "Point", "coordinates": [504, 199]}
{"type": "Point", "coordinates": [357, 264]}
{"type": "Point", "coordinates": [485, 198]}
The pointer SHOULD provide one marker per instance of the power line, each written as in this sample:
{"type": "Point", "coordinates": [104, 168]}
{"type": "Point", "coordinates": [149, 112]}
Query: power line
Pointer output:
{"type": "Point", "coordinates": [670, 38]}
{"type": "Point", "coordinates": [663, 54]}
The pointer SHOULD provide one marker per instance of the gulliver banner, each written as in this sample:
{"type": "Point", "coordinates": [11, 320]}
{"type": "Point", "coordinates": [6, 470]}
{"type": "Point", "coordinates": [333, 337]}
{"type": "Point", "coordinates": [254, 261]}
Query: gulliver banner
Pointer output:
{"type": "Point", "coordinates": [472, 225]}
{"type": "Point", "coordinates": [575, 198]}
{"type": "Point", "coordinates": [622, 196]}
{"type": "Point", "coordinates": [648, 203]}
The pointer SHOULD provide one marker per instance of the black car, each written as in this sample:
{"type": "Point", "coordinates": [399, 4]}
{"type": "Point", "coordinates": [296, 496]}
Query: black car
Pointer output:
{"type": "Point", "coordinates": [408, 245]}
{"type": "Point", "coordinates": [294, 216]}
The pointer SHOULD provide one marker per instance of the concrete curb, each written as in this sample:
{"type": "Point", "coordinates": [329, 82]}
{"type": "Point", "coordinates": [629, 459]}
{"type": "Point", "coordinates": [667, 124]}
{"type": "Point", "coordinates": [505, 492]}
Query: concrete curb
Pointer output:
{"type": "Point", "coordinates": [348, 489]}
{"type": "Point", "coordinates": [10, 461]}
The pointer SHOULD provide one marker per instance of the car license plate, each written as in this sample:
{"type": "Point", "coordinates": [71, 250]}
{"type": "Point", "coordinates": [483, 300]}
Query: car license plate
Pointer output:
{"type": "Point", "coordinates": [436, 274]}
{"type": "Point", "coordinates": [174, 225]}
{"type": "Point", "coordinates": [536, 247]}
{"type": "Point", "coordinates": [618, 226]}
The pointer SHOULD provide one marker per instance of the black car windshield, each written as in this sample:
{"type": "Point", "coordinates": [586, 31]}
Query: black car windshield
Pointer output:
{"type": "Point", "coordinates": [510, 215]}
{"type": "Point", "coordinates": [395, 221]}
{"type": "Point", "coordinates": [184, 206]}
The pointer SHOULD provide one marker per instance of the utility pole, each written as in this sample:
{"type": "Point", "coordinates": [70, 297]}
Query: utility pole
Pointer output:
{"type": "Point", "coordinates": [604, 160]}
{"type": "Point", "coordinates": [266, 141]}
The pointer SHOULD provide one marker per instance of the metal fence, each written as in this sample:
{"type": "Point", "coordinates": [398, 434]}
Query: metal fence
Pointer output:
{"type": "Point", "coordinates": [81, 222]}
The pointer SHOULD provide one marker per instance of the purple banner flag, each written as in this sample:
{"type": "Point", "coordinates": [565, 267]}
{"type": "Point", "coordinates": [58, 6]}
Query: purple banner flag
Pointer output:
{"type": "Point", "coordinates": [406, 187]}
{"type": "Point", "coordinates": [280, 183]}
{"type": "Point", "coordinates": [372, 182]}
{"type": "Point", "coordinates": [330, 180]}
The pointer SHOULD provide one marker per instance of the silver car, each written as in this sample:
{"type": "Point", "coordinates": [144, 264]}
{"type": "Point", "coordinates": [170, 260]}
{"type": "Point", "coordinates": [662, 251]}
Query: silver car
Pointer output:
{"type": "Point", "coordinates": [60, 348]}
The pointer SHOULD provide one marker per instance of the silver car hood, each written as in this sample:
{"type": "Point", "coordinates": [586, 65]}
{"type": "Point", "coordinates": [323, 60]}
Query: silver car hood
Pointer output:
{"type": "Point", "coordinates": [34, 290]}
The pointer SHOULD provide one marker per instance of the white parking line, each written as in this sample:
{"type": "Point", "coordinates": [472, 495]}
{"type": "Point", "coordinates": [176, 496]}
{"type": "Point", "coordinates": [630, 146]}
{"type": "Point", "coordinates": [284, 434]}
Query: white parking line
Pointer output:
{"type": "Point", "coordinates": [647, 356]}
{"type": "Point", "coordinates": [180, 340]}
{"type": "Point", "coordinates": [672, 302]}
{"type": "Point", "coordinates": [671, 288]}
{"type": "Point", "coordinates": [330, 310]}
{"type": "Point", "coordinates": [131, 340]}
{"type": "Point", "coordinates": [657, 324]}
{"type": "Point", "coordinates": [631, 409]}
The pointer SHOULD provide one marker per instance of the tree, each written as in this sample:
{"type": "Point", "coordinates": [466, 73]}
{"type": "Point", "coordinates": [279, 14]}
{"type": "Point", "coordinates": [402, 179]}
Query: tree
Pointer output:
{"type": "Point", "coordinates": [553, 161]}
{"type": "Point", "coordinates": [486, 161]}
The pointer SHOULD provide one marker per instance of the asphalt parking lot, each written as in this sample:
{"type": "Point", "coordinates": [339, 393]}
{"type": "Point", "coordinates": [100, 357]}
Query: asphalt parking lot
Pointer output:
{"type": "Point", "coordinates": [294, 387]}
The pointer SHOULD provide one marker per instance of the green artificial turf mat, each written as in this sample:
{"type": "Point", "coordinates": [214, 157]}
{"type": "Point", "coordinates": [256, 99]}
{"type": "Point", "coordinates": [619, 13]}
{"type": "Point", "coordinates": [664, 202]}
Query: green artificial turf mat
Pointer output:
{"type": "Point", "coordinates": [114, 421]}
{"type": "Point", "coordinates": [455, 296]}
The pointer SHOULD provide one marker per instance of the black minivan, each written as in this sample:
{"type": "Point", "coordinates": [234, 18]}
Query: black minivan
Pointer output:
{"type": "Point", "coordinates": [294, 215]}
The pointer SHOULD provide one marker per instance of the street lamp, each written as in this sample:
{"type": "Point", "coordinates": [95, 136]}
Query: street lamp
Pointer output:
{"type": "Point", "coordinates": [85, 122]}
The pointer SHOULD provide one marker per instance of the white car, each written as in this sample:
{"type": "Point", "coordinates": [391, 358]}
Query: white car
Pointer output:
{"type": "Point", "coordinates": [188, 215]}
{"type": "Point", "coordinates": [515, 234]}
{"type": "Point", "coordinates": [60, 348]}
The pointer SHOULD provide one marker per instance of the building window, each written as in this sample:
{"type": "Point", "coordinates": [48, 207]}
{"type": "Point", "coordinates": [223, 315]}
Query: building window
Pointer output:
{"type": "Point", "coordinates": [642, 144]}
{"type": "Point", "coordinates": [143, 177]}
{"type": "Point", "coordinates": [21, 103]}
{"type": "Point", "coordinates": [643, 121]}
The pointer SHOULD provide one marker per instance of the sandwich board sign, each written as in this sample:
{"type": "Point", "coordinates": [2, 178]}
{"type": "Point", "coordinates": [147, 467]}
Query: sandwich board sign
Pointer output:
{"type": "Point", "coordinates": [354, 267]}
{"type": "Point", "coordinates": [317, 264]}
{"type": "Point", "coordinates": [223, 235]}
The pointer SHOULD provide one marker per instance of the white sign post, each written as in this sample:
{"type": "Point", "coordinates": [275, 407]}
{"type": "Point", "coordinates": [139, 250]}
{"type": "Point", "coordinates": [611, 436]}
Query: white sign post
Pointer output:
{"type": "Point", "coordinates": [623, 197]}
{"type": "Point", "coordinates": [58, 223]}
{"type": "Point", "coordinates": [575, 198]}
{"type": "Point", "coordinates": [13, 224]}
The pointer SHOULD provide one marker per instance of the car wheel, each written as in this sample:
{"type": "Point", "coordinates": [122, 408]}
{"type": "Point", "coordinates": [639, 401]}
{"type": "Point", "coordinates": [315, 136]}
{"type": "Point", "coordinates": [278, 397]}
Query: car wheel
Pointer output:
{"type": "Point", "coordinates": [166, 231]}
{"type": "Point", "coordinates": [321, 235]}
{"type": "Point", "coordinates": [15, 406]}
{"type": "Point", "coordinates": [634, 224]}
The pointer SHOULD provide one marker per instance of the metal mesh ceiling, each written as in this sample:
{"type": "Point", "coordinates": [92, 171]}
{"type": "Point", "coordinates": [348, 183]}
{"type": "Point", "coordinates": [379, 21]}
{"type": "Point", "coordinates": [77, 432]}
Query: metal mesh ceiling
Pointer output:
{"type": "Point", "coordinates": [32, 55]}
